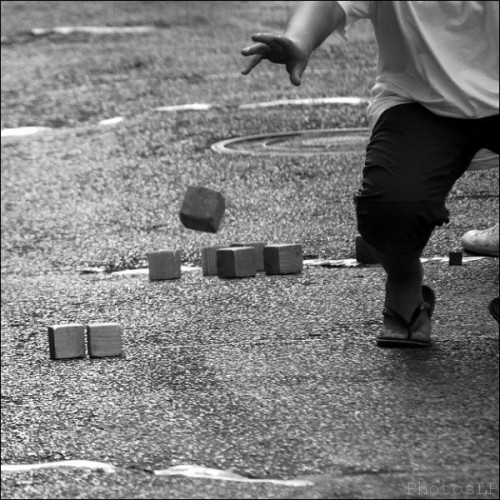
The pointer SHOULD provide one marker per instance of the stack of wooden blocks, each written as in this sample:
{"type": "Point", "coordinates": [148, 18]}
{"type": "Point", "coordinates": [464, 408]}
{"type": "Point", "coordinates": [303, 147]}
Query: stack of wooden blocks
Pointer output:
{"type": "Point", "coordinates": [238, 260]}
{"type": "Point", "coordinates": [68, 341]}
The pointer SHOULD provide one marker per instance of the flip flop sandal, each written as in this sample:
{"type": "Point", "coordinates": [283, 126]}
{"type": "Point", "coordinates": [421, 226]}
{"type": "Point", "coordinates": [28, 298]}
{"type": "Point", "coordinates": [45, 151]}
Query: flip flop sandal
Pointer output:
{"type": "Point", "coordinates": [493, 307]}
{"type": "Point", "coordinates": [427, 305]}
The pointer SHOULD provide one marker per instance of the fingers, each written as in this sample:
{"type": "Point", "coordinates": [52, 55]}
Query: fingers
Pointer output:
{"type": "Point", "coordinates": [258, 51]}
{"type": "Point", "coordinates": [295, 77]}
{"type": "Point", "coordinates": [251, 65]}
{"type": "Point", "coordinates": [276, 48]}
{"type": "Point", "coordinates": [296, 73]}
{"type": "Point", "coordinates": [266, 38]}
{"type": "Point", "coordinates": [265, 44]}
{"type": "Point", "coordinates": [256, 48]}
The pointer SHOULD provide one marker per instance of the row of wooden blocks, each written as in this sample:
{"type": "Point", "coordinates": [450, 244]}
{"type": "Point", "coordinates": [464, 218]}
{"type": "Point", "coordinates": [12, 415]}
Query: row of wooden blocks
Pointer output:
{"type": "Point", "coordinates": [240, 260]}
{"type": "Point", "coordinates": [68, 341]}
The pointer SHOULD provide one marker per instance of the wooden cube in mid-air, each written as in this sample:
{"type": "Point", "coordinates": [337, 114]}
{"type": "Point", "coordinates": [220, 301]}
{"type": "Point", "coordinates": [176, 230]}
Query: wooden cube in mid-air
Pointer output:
{"type": "Point", "coordinates": [67, 341]}
{"type": "Point", "coordinates": [202, 209]}
{"type": "Point", "coordinates": [283, 259]}
{"type": "Point", "coordinates": [236, 262]}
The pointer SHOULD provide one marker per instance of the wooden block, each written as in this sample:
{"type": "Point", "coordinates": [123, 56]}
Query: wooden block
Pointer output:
{"type": "Point", "coordinates": [236, 262]}
{"type": "Point", "coordinates": [165, 265]}
{"type": "Point", "coordinates": [455, 258]}
{"type": "Point", "coordinates": [67, 341]}
{"type": "Point", "coordinates": [209, 260]}
{"type": "Point", "coordinates": [259, 252]}
{"type": "Point", "coordinates": [104, 339]}
{"type": "Point", "coordinates": [283, 259]}
{"type": "Point", "coordinates": [202, 209]}
{"type": "Point", "coordinates": [363, 252]}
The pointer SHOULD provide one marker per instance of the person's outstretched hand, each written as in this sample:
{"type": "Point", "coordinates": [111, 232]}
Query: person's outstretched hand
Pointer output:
{"type": "Point", "coordinates": [278, 49]}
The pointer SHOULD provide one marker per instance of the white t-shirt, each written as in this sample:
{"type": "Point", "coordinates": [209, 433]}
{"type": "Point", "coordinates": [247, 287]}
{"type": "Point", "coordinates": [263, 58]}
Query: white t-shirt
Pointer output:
{"type": "Point", "coordinates": [443, 55]}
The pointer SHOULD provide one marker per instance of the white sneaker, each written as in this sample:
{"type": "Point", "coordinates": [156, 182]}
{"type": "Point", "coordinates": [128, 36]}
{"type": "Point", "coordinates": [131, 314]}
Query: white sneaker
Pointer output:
{"type": "Point", "coordinates": [481, 242]}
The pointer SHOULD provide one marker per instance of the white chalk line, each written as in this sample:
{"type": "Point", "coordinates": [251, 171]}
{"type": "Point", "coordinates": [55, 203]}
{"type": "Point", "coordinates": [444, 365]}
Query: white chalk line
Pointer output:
{"type": "Point", "coordinates": [483, 160]}
{"type": "Point", "coordinates": [23, 131]}
{"type": "Point", "coordinates": [197, 471]}
{"type": "Point", "coordinates": [111, 121]}
{"type": "Point", "coordinates": [19, 132]}
{"type": "Point", "coordinates": [355, 263]}
{"type": "Point", "coordinates": [192, 471]}
{"type": "Point", "coordinates": [196, 106]}
{"type": "Point", "coordinates": [77, 464]}
{"type": "Point", "coordinates": [345, 263]}
{"type": "Point", "coordinates": [355, 101]}
{"type": "Point", "coordinates": [93, 30]}
{"type": "Point", "coordinates": [489, 161]}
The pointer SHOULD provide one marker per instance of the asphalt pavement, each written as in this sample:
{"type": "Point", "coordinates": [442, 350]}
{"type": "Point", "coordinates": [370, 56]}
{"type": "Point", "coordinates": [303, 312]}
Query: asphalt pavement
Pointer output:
{"type": "Point", "coordinates": [272, 377]}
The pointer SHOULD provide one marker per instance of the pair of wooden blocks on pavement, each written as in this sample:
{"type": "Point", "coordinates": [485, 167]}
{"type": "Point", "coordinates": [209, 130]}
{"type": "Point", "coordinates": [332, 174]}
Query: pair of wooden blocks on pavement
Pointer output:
{"type": "Point", "coordinates": [68, 341]}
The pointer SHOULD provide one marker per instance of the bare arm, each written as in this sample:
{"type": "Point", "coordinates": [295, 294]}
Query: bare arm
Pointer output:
{"type": "Point", "coordinates": [307, 28]}
{"type": "Point", "coordinates": [313, 22]}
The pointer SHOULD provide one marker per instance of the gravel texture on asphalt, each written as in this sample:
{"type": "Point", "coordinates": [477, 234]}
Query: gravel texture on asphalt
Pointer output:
{"type": "Point", "coordinates": [274, 377]}
{"type": "Point", "coordinates": [270, 377]}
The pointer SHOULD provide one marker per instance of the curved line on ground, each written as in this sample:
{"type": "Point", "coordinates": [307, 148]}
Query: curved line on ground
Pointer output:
{"type": "Point", "coordinates": [197, 471]}
{"type": "Point", "coordinates": [78, 464]}
{"type": "Point", "coordinates": [93, 30]}
{"type": "Point", "coordinates": [23, 131]}
{"type": "Point", "coordinates": [355, 101]}
{"type": "Point", "coordinates": [195, 106]}
{"type": "Point", "coordinates": [484, 159]}
{"type": "Point", "coordinates": [111, 121]}
{"type": "Point", "coordinates": [222, 146]}
{"type": "Point", "coordinates": [193, 471]}
{"type": "Point", "coordinates": [307, 262]}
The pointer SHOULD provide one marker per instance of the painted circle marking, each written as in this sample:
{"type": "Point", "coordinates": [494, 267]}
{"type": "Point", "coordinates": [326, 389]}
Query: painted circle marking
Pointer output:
{"type": "Point", "coordinates": [301, 142]}
{"type": "Point", "coordinates": [321, 142]}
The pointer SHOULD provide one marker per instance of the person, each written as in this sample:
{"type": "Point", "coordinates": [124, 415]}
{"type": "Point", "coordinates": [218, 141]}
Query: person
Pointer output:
{"type": "Point", "coordinates": [482, 242]}
{"type": "Point", "coordinates": [434, 105]}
